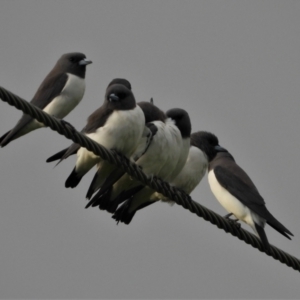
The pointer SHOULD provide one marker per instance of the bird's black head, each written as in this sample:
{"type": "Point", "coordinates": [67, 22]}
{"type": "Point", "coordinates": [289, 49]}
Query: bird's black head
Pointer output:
{"type": "Point", "coordinates": [182, 121]}
{"type": "Point", "coordinates": [120, 81]}
{"type": "Point", "coordinates": [119, 97]}
{"type": "Point", "coordinates": [151, 112]}
{"type": "Point", "coordinates": [207, 142]}
{"type": "Point", "coordinates": [74, 63]}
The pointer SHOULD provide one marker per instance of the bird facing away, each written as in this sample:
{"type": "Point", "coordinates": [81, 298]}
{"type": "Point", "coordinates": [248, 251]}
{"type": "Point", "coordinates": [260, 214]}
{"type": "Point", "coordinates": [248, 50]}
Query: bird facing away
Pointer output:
{"type": "Point", "coordinates": [118, 124]}
{"type": "Point", "coordinates": [58, 94]}
{"type": "Point", "coordinates": [194, 169]}
{"type": "Point", "coordinates": [187, 180]}
{"type": "Point", "coordinates": [236, 192]}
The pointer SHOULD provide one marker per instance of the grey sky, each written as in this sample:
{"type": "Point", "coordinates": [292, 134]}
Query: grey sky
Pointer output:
{"type": "Point", "coordinates": [233, 65]}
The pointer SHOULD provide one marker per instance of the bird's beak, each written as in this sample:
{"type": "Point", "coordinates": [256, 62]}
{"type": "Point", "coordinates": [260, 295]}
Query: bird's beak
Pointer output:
{"type": "Point", "coordinates": [218, 148]}
{"type": "Point", "coordinates": [113, 98]}
{"type": "Point", "coordinates": [84, 62]}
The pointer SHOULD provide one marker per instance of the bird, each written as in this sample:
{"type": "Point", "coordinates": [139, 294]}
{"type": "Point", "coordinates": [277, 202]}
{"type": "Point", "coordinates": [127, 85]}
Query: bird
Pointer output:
{"type": "Point", "coordinates": [141, 197]}
{"type": "Point", "coordinates": [59, 155]}
{"type": "Point", "coordinates": [59, 93]}
{"type": "Point", "coordinates": [152, 113]}
{"type": "Point", "coordinates": [188, 178]}
{"type": "Point", "coordinates": [118, 124]}
{"type": "Point", "coordinates": [159, 159]}
{"type": "Point", "coordinates": [236, 192]}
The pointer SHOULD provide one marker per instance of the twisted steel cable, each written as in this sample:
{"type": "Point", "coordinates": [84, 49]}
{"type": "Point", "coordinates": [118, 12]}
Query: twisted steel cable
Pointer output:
{"type": "Point", "coordinates": [180, 197]}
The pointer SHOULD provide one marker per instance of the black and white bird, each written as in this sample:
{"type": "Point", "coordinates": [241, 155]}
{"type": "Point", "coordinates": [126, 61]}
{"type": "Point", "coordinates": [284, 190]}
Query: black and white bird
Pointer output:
{"type": "Point", "coordinates": [149, 136]}
{"type": "Point", "coordinates": [187, 180]}
{"type": "Point", "coordinates": [236, 192]}
{"type": "Point", "coordinates": [140, 197]}
{"type": "Point", "coordinates": [118, 124]}
{"type": "Point", "coordinates": [58, 94]}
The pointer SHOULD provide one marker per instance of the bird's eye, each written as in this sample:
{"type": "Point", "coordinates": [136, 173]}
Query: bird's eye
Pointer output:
{"type": "Point", "coordinates": [71, 59]}
{"type": "Point", "coordinates": [121, 95]}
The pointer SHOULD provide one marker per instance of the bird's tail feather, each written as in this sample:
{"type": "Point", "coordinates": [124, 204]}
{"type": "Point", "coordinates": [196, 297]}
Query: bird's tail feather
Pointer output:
{"type": "Point", "coordinates": [73, 180]}
{"type": "Point", "coordinates": [262, 235]}
{"type": "Point", "coordinates": [279, 227]}
{"type": "Point", "coordinates": [57, 156]}
{"type": "Point", "coordinates": [4, 142]}
{"type": "Point", "coordinates": [123, 215]}
{"type": "Point", "coordinates": [92, 189]}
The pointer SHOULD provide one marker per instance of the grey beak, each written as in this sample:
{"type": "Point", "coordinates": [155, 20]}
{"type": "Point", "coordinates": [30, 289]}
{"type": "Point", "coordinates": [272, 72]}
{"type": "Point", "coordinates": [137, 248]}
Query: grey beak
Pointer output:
{"type": "Point", "coordinates": [84, 62]}
{"type": "Point", "coordinates": [220, 149]}
{"type": "Point", "coordinates": [113, 98]}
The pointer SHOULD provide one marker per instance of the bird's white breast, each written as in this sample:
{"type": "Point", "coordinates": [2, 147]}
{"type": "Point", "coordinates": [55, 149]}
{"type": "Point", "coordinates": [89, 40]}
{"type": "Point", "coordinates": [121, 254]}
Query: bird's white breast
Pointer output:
{"type": "Point", "coordinates": [193, 170]}
{"type": "Point", "coordinates": [164, 150]}
{"type": "Point", "coordinates": [121, 132]}
{"type": "Point", "coordinates": [185, 146]}
{"type": "Point", "coordinates": [68, 99]}
{"type": "Point", "coordinates": [228, 201]}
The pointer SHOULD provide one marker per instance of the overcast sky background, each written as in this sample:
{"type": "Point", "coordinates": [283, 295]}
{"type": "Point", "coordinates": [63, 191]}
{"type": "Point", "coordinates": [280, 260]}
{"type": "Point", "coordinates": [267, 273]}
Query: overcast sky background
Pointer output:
{"type": "Point", "coordinates": [233, 65]}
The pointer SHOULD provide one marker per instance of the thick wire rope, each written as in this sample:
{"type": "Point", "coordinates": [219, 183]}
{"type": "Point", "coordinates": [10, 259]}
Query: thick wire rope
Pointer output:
{"type": "Point", "coordinates": [155, 183]}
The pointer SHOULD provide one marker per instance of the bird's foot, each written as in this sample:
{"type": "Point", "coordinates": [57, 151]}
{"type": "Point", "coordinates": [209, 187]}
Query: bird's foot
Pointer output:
{"type": "Point", "coordinates": [228, 216]}
{"type": "Point", "coordinates": [235, 222]}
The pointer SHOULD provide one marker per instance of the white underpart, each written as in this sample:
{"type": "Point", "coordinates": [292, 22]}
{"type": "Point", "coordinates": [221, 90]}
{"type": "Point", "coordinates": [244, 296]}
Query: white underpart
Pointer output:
{"type": "Point", "coordinates": [160, 159]}
{"type": "Point", "coordinates": [185, 147]}
{"type": "Point", "coordinates": [232, 204]}
{"type": "Point", "coordinates": [169, 171]}
{"type": "Point", "coordinates": [142, 144]}
{"type": "Point", "coordinates": [61, 105]}
{"type": "Point", "coordinates": [184, 151]}
{"type": "Point", "coordinates": [121, 132]}
{"type": "Point", "coordinates": [192, 172]}
{"type": "Point", "coordinates": [68, 99]}
{"type": "Point", "coordinates": [105, 168]}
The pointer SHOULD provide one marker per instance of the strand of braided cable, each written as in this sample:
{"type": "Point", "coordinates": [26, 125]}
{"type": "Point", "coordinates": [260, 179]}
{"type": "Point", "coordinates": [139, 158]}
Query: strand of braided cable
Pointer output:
{"type": "Point", "coordinates": [157, 184]}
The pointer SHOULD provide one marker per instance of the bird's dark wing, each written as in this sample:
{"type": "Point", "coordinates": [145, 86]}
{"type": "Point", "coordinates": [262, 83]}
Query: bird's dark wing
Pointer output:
{"type": "Point", "coordinates": [58, 155]}
{"type": "Point", "coordinates": [114, 176]}
{"type": "Point", "coordinates": [249, 196]}
{"type": "Point", "coordinates": [9, 136]}
{"type": "Point", "coordinates": [65, 153]}
{"type": "Point", "coordinates": [71, 150]}
{"type": "Point", "coordinates": [50, 88]}
{"type": "Point", "coordinates": [97, 119]}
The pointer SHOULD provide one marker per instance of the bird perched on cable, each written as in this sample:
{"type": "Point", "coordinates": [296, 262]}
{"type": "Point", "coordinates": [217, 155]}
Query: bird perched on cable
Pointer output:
{"type": "Point", "coordinates": [58, 94]}
{"type": "Point", "coordinates": [236, 192]}
{"type": "Point", "coordinates": [118, 124]}
{"type": "Point", "coordinates": [187, 180]}
{"type": "Point", "coordinates": [194, 169]}
{"type": "Point", "coordinates": [162, 157]}
{"type": "Point", "coordinates": [154, 122]}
